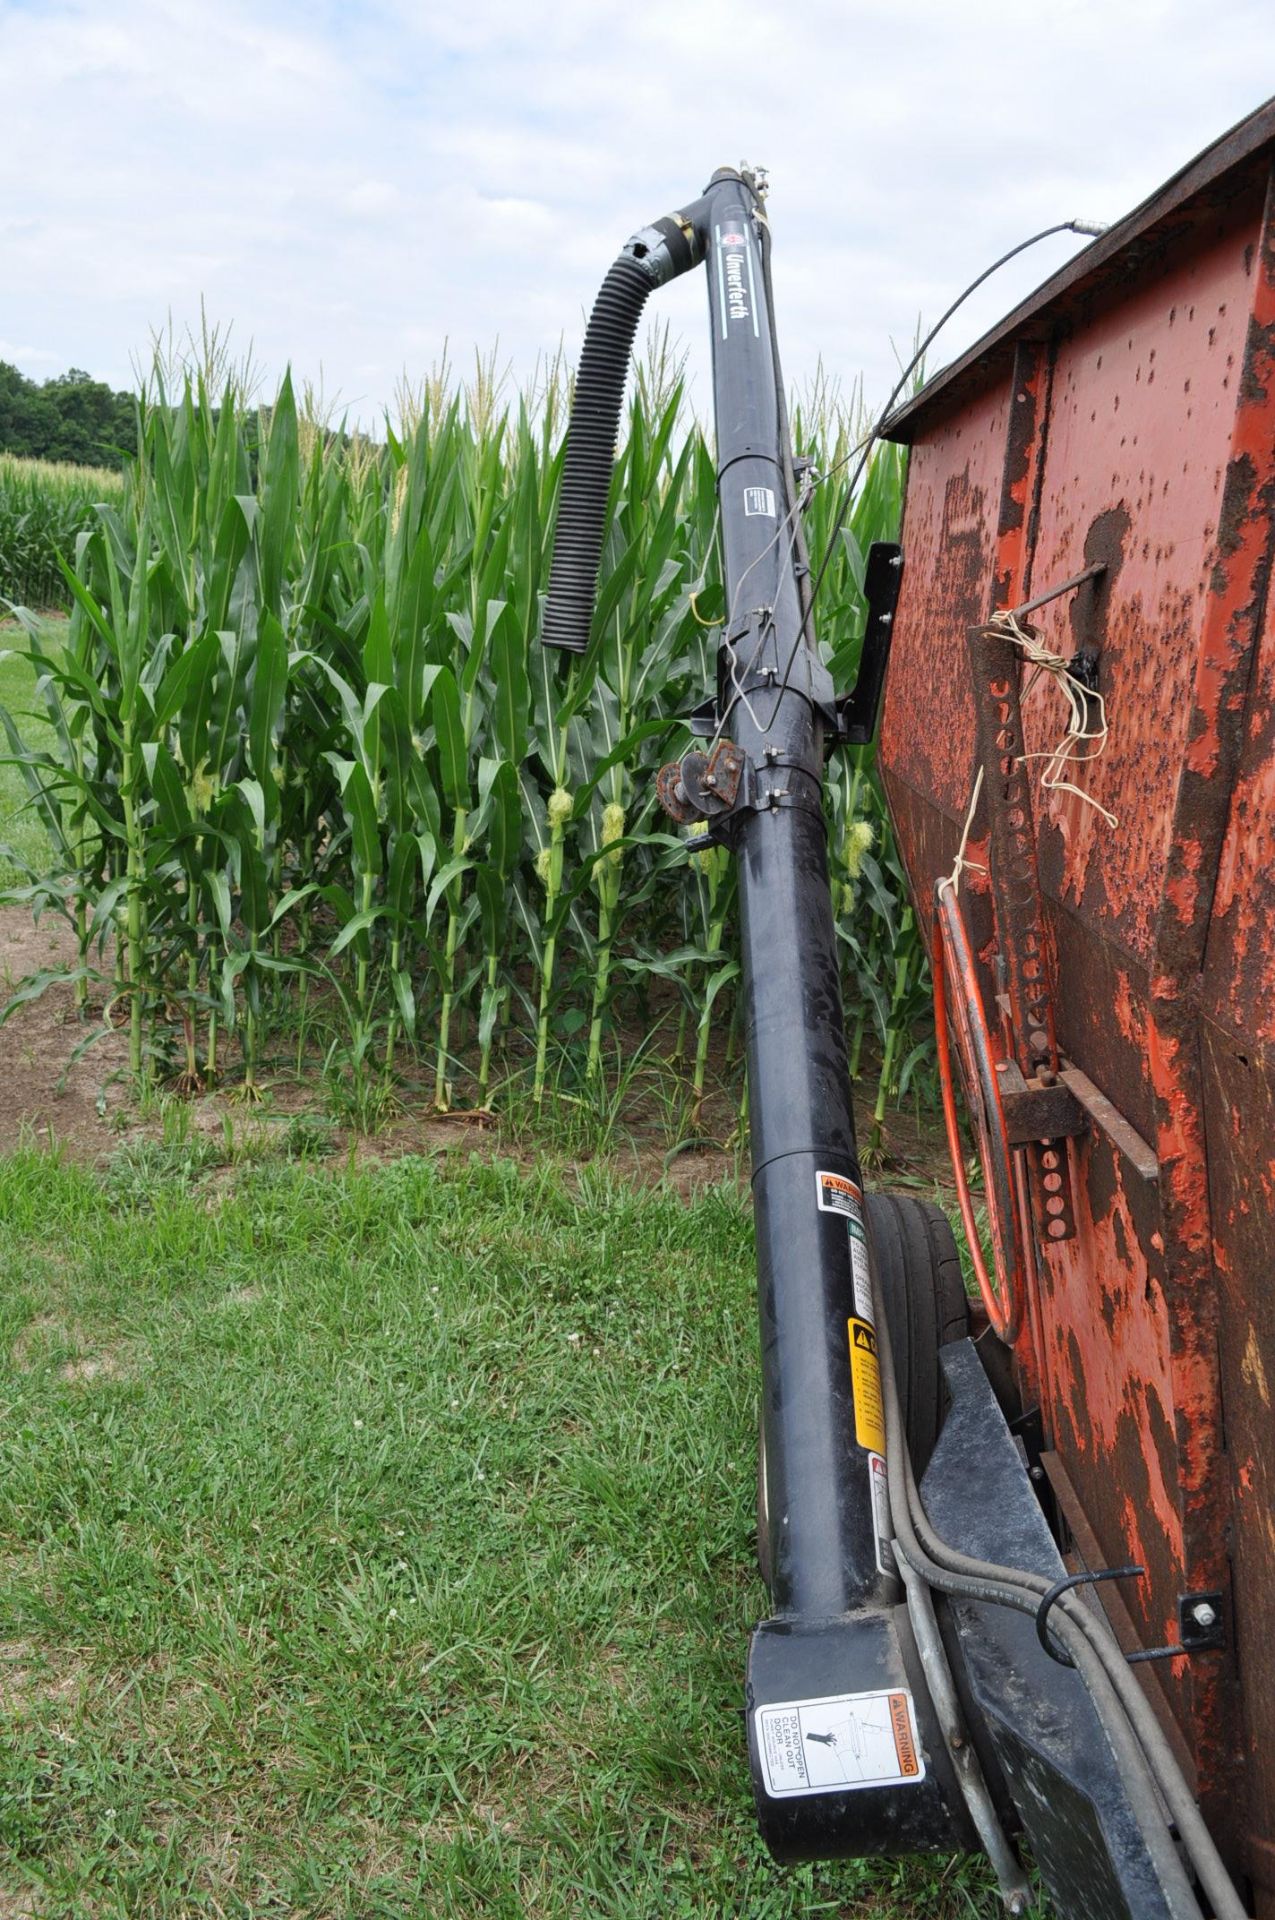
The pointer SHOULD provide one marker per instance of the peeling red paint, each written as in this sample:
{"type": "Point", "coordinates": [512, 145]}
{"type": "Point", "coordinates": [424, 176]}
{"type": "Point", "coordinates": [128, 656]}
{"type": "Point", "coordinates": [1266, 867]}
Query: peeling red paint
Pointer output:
{"type": "Point", "coordinates": [1140, 431]}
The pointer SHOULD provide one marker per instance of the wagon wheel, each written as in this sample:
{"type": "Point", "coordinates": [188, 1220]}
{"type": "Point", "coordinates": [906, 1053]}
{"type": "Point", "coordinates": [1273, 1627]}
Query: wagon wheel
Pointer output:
{"type": "Point", "coordinates": [1002, 1294]}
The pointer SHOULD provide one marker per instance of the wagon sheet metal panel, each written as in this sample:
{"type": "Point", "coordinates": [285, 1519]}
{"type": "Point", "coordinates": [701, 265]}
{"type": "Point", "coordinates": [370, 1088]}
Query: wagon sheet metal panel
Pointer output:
{"type": "Point", "coordinates": [953, 500]}
{"type": "Point", "coordinates": [1147, 444]}
{"type": "Point", "coordinates": [1237, 1005]}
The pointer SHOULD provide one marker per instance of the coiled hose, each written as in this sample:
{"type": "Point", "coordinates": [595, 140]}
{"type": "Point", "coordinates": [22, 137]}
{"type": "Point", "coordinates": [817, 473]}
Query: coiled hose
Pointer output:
{"type": "Point", "coordinates": [591, 437]}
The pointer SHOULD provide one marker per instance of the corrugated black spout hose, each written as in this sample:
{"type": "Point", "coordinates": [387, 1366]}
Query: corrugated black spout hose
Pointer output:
{"type": "Point", "coordinates": [654, 255]}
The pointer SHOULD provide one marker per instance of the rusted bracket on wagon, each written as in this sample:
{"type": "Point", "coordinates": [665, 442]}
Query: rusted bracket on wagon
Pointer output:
{"type": "Point", "coordinates": [1111, 1122]}
{"type": "Point", "coordinates": [1020, 921]}
{"type": "Point", "coordinates": [1037, 1109]}
{"type": "Point", "coordinates": [1064, 1108]}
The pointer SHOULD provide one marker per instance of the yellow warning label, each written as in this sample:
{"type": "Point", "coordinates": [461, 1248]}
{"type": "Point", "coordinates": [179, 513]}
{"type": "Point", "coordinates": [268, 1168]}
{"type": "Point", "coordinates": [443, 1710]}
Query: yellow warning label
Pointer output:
{"type": "Point", "coordinates": [865, 1379]}
{"type": "Point", "coordinates": [901, 1728]}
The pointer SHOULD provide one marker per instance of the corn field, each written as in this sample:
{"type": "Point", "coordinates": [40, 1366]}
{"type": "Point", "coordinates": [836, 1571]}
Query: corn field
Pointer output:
{"type": "Point", "coordinates": [43, 507]}
{"type": "Point", "coordinates": [311, 773]}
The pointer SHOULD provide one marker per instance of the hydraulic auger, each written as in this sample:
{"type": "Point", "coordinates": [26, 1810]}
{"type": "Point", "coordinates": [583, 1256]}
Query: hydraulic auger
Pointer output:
{"type": "Point", "coordinates": [905, 1695]}
{"type": "Point", "coordinates": [840, 1636]}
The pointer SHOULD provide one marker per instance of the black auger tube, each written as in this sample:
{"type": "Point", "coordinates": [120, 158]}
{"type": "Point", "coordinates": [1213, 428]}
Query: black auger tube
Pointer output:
{"type": "Point", "coordinates": [806, 1177]}
{"type": "Point", "coordinates": [654, 255]}
{"type": "Point", "coordinates": [846, 1752]}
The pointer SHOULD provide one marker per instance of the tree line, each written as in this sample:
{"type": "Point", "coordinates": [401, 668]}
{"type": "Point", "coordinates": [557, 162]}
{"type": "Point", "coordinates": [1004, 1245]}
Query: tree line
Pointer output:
{"type": "Point", "coordinates": [70, 417]}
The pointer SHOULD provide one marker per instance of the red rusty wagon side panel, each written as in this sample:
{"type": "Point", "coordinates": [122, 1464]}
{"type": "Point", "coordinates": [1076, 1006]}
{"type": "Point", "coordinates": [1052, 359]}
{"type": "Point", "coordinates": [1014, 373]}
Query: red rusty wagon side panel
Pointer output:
{"type": "Point", "coordinates": [954, 488]}
{"type": "Point", "coordinates": [1126, 417]}
{"type": "Point", "coordinates": [1238, 1035]}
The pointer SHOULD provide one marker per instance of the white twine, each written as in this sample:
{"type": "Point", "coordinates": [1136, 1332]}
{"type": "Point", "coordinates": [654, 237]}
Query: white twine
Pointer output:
{"type": "Point", "coordinates": [1085, 738]}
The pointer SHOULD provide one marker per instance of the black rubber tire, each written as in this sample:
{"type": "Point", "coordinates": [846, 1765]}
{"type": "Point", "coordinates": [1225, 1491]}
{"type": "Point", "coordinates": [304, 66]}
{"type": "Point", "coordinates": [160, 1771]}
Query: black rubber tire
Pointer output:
{"type": "Point", "coordinates": [919, 1271]}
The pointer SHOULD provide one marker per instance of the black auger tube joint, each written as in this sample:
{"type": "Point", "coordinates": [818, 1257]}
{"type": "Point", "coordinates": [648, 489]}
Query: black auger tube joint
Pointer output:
{"type": "Point", "coordinates": [845, 1749]}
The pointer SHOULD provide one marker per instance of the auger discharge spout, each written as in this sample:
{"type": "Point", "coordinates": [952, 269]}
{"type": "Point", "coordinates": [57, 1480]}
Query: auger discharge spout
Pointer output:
{"type": "Point", "coordinates": [654, 255]}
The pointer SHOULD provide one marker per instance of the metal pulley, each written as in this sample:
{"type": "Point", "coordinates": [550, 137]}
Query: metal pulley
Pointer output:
{"type": "Point", "coordinates": [701, 786]}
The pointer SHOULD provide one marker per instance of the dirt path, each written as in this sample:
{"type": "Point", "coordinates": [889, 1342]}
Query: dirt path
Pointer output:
{"type": "Point", "coordinates": [37, 1042]}
{"type": "Point", "coordinates": [86, 1106]}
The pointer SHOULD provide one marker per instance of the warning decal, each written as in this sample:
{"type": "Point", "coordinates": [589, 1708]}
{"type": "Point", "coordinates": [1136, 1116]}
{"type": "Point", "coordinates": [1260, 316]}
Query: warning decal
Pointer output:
{"type": "Point", "coordinates": [865, 1379]}
{"type": "Point", "coordinates": [836, 1194]}
{"type": "Point", "coordinates": [835, 1745]}
{"type": "Point", "coordinates": [881, 1525]}
{"type": "Point", "coordinates": [859, 1267]}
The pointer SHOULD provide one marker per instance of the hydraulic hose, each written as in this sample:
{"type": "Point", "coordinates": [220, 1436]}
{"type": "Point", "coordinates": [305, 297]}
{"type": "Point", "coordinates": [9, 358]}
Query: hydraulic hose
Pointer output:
{"type": "Point", "coordinates": [1012, 1881]}
{"type": "Point", "coordinates": [586, 473]}
{"type": "Point", "coordinates": [1028, 1591]}
{"type": "Point", "coordinates": [1127, 1719]}
{"type": "Point", "coordinates": [653, 256]}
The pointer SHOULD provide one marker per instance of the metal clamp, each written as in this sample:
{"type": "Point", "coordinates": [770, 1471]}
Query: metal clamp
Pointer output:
{"type": "Point", "coordinates": [1057, 1591]}
{"type": "Point", "coordinates": [1199, 1619]}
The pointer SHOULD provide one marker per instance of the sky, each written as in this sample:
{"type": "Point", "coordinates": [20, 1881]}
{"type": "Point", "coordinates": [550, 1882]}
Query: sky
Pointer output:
{"type": "Point", "coordinates": [358, 187]}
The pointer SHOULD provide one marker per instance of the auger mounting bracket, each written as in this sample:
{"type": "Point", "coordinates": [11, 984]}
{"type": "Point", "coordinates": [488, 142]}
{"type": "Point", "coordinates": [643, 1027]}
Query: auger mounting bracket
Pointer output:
{"type": "Point", "coordinates": [857, 711]}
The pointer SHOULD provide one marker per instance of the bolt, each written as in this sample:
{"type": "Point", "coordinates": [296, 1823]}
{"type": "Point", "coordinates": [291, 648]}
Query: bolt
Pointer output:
{"type": "Point", "coordinates": [770, 755]}
{"type": "Point", "coordinates": [710, 779]}
{"type": "Point", "coordinates": [956, 1742]}
{"type": "Point", "coordinates": [1037, 1473]}
{"type": "Point", "coordinates": [1203, 1614]}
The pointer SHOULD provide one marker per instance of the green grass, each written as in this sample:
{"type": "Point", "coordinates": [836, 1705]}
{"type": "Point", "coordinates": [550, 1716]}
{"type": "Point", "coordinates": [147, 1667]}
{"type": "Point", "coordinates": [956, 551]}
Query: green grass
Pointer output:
{"type": "Point", "coordinates": [379, 1540]}
{"type": "Point", "coordinates": [20, 829]}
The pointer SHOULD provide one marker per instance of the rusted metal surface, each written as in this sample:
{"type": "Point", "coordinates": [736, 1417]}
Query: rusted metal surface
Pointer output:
{"type": "Point", "coordinates": [1108, 1120]}
{"type": "Point", "coordinates": [700, 786]}
{"type": "Point", "coordinates": [1021, 474]}
{"type": "Point", "coordinates": [951, 548]}
{"type": "Point", "coordinates": [1026, 958]}
{"type": "Point", "coordinates": [1087, 1551]}
{"type": "Point", "coordinates": [1015, 882]}
{"type": "Point", "coordinates": [957, 997]}
{"type": "Point", "coordinates": [1034, 1111]}
{"type": "Point", "coordinates": [1126, 419]}
{"type": "Point", "coordinates": [1238, 1002]}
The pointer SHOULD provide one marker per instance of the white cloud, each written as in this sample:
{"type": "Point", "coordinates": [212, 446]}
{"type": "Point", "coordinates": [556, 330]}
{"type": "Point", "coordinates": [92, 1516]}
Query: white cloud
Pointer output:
{"type": "Point", "coordinates": [354, 183]}
{"type": "Point", "coordinates": [371, 198]}
{"type": "Point", "coordinates": [25, 356]}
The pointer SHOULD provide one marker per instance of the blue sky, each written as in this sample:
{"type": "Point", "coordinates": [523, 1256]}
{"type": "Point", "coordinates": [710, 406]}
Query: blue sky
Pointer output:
{"type": "Point", "coordinates": [357, 186]}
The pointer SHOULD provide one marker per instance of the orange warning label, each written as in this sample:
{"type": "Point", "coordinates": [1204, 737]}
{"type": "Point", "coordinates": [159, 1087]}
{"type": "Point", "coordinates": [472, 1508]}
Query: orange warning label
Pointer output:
{"type": "Point", "coordinates": [836, 1194]}
{"type": "Point", "coordinates": [904, 1739]}
{"type": "Point", "coordinates": [865, 1380]}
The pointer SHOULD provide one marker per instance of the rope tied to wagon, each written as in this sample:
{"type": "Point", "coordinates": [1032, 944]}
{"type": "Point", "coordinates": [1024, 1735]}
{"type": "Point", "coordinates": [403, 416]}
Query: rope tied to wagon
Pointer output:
{"type": "Point", "coordinates": [1084, 739]}
{"type": "Point", "coordinates": [1087, 731]}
